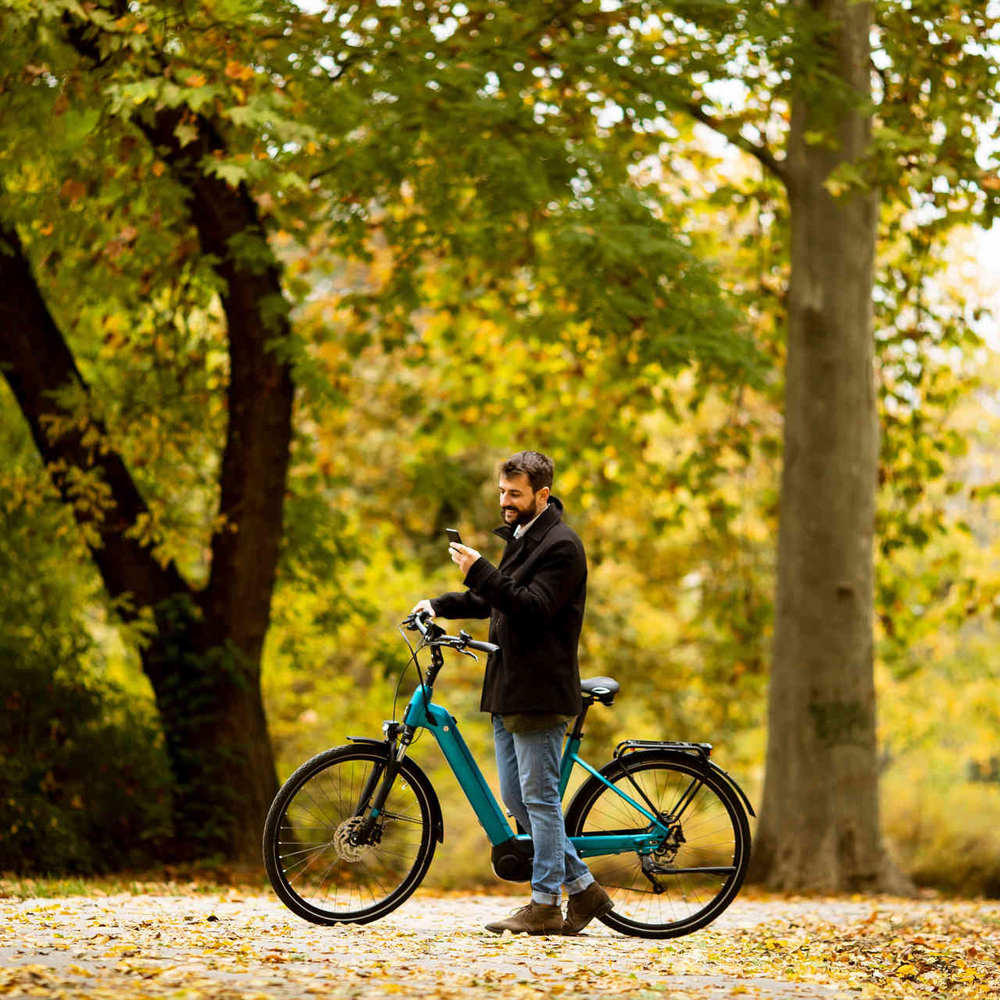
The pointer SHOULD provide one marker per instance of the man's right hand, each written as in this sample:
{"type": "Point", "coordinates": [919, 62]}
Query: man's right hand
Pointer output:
{"type": "Point", "coordinates": [424, 606]}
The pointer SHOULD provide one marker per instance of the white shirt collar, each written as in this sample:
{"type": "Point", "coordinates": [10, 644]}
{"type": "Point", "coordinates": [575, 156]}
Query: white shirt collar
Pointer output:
{"type": "Point", "coordinates": [522, 528]}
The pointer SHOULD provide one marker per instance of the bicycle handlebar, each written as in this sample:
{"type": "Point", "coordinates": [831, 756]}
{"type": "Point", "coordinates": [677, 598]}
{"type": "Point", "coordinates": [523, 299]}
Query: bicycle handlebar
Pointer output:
{"type": "Point", "coordinates": [483, 647]}
{"type": "Point", "coordinates": [436, 636]}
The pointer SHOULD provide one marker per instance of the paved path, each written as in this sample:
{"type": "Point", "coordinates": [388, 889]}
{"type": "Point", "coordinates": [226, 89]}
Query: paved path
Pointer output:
{"type": "Point", "coordinates": [188, 947]}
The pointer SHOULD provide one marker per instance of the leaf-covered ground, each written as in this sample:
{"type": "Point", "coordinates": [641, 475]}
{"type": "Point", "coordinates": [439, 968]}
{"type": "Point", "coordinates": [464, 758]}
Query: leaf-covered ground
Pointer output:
{"type": "Point", "coordinates": [245, 944]}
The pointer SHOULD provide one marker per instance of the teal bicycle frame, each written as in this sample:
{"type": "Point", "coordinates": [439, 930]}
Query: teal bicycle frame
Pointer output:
{"type": "Point", "coordinates": [421, 712]}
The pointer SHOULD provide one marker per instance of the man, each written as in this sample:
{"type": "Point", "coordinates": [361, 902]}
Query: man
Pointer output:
{"type": "Point", "coordinates": [534, 601]}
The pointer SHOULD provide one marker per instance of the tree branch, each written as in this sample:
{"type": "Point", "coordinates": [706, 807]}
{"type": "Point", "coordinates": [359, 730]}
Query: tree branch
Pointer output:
{"type": "Point", "coordinates": [730, 131]}
{"type": "Point", "coordinates": [37, 362]}
{"type": "Point", "coordinates": [245, 551]}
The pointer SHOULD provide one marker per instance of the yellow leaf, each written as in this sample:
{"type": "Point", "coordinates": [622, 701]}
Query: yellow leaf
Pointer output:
{"type": "Point", "coordinates": [237, 71]}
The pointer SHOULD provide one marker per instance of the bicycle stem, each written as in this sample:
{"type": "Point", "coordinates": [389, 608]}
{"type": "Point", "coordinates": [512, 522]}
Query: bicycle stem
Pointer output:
{"type": "Point", "coordinates": [437, 662]}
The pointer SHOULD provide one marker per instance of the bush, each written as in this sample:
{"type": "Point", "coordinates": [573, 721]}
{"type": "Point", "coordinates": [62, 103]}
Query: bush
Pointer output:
{"type": "Point", "coordinates": [943, 829]}
{"type": "Point", "coordinates": [86, 779]}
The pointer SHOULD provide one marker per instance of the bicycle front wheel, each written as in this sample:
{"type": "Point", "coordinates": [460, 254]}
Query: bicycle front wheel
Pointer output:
{"type": "Point", "coordinates": [695, 872]}
{"type": "Point", "coordinates": [311, 863]}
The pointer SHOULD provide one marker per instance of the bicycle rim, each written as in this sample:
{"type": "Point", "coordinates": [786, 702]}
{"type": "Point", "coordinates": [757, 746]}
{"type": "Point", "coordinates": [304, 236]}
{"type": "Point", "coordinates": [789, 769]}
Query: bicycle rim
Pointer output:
{"type": "Point", "coordinates": [694, 877]}
{"type": "Point", "coordinates": [313, 867]}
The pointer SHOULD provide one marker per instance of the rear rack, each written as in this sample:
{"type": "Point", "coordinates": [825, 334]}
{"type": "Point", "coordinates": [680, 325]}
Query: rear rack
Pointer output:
{"type": "Point", "coordinates": [703, 750]}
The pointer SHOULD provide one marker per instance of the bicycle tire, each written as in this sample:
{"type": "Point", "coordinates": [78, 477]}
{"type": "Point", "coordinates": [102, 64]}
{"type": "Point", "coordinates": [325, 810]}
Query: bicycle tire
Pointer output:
{"type": "Point", "coordinates": [312, 867]}
{"type": "Point", "coordinates": [709, 860]}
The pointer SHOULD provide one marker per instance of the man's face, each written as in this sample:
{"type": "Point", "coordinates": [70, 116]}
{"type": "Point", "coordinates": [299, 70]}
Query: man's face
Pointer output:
{"type": "Point", "coordinates": [519, 503]}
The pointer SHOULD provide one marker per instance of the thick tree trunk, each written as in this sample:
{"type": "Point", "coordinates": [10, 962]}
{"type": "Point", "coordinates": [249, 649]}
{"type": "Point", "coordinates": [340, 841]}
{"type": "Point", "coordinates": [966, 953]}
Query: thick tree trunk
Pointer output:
{"type": "Point", "coordinates": [819, 820]}
{"type": "Point", "coordinates": [209, 701]}
{"type": "Point", "coordinates": [246, 548]}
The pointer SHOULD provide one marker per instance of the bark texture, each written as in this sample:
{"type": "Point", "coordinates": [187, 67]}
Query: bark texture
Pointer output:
{"type": "Point", "coordinates": [819, 826]}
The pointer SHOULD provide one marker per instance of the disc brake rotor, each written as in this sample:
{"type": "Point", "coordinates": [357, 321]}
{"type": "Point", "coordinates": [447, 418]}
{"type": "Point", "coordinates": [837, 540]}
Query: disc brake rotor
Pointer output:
{"type": "Point", "coordinates": [347, 851]}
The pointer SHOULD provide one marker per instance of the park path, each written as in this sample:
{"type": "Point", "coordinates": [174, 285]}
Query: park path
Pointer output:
{"type": "Point", "coordinates": [221, 946]}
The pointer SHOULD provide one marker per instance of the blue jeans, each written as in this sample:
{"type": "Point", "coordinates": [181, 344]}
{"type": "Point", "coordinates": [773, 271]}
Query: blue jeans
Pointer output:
{"type": "Point", "coordinates": [528, 766]}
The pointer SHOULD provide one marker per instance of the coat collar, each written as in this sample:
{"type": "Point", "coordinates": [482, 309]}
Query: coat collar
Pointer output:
{"type": "Point", "coordinates": [552, 515]}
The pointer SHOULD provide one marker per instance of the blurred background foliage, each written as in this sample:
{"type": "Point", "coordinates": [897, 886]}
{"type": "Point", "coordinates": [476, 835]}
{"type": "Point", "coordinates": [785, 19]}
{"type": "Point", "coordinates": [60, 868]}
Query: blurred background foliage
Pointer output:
{"type": "Point", "coordinates": [416, 377]}
{"type": "Point", "coordinates": [86, 786]}
{"type": "Point", "coordinates": [672, 486]}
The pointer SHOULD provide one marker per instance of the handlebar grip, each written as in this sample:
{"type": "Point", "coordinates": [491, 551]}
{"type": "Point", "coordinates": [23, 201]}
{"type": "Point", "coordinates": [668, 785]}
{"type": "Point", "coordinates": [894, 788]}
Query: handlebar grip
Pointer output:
{"type": "Point", "coordinates": [483, 647]}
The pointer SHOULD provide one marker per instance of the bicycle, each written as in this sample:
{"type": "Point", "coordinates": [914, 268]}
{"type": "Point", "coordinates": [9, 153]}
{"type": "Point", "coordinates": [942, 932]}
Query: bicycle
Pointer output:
{"type": "Point", "coordinates": [351, 834]}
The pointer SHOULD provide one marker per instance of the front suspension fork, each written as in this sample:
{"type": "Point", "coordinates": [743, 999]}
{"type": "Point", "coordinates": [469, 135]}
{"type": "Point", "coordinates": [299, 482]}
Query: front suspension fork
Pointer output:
{"type": "Point", "coordinates": [383, 776]}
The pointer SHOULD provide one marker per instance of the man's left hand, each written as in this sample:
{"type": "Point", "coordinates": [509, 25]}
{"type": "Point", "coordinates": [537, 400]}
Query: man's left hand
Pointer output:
{"type": "Point", "coordinates": [463, 555]}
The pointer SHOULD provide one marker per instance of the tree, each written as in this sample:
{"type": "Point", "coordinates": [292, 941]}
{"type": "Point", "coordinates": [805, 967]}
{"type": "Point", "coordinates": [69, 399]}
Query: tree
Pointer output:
{"type": "Point", "coordinates": [142, 228]}
{"type": "Point", "coordinates": [204, 661]}
{"type": "Point", "coordinates": [821, 746]}
{"type": "Point", "coordinates": [848, 132]}
{"type": "Point", "coordinates": [821, 765]}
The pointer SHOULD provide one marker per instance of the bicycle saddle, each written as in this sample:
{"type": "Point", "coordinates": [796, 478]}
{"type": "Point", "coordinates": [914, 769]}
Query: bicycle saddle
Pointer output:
{"type": "Point", "coordinates": [603, 689]}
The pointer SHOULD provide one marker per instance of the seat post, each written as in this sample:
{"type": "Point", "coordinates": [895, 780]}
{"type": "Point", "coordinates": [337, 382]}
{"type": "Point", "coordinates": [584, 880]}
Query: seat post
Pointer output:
{"type": "Point", "coordinates": [576, 733]}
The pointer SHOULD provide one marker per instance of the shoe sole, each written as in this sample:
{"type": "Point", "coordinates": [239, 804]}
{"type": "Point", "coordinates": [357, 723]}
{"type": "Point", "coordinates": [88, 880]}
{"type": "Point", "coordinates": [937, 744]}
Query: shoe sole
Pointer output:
{"type": "Point", "coordinates": [599, 912]}
{"type": "Point", "coordinates": [548, 930]}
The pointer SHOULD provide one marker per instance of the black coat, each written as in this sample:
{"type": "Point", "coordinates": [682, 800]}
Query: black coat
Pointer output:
{"type": "Point", "coordinates": [535, 602]}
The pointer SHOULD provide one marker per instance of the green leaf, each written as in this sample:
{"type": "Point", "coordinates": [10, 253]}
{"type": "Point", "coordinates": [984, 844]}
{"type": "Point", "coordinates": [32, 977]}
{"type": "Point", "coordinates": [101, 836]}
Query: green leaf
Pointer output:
{"type": "Point", "coordinates": [186, 133]}
{"type": "Point", "coordinates": [232, 173]}
{"type": "Point", "coordinates": [76, 125]}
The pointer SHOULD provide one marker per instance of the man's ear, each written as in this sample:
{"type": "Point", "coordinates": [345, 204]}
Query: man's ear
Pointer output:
{"type": "Point", "coordinates": [543, 495]}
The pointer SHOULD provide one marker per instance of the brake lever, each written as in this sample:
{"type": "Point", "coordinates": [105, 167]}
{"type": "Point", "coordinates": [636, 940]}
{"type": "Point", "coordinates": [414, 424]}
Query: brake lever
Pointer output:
{"type": "Point", "coordinates": [465, 637]}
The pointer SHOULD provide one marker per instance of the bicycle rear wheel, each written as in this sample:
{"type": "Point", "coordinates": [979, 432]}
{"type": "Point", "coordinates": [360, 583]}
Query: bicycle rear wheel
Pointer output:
{"type": "Point", "coordinates": [696, 871]}
{"type": "Point", "coordinates": [312, 865]}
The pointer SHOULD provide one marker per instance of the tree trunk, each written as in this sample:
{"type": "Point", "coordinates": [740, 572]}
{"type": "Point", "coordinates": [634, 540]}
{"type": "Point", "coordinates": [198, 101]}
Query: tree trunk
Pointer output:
{"type": "Point", "coordinates": [819, 826]}
{"type": "Point", "coordinates": [209, 702]}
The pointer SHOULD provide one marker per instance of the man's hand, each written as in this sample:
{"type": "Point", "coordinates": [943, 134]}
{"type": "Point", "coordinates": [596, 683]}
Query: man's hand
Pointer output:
{"type": "Point", "coordinates": [423, 606]}
{"type": "Point", "coordinates": [463, 555]}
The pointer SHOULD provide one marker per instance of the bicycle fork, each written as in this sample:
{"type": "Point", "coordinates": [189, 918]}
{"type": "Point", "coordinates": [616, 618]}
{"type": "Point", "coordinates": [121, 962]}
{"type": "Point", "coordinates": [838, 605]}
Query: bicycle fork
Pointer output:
{"type": "Point", "coordinates": [372, 799]}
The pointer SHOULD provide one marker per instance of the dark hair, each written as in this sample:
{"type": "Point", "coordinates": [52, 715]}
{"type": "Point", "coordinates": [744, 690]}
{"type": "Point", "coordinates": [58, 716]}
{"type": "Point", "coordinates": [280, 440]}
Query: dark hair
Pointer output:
{"type": "Point", "coordinates": [537, 467]}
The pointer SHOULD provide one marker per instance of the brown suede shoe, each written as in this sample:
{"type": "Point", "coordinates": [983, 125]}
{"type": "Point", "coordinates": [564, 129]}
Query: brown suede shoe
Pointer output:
{"type": "Point", "coordinates": [584, 906]}
{"type": "Point", "coordinates": [535, 918]}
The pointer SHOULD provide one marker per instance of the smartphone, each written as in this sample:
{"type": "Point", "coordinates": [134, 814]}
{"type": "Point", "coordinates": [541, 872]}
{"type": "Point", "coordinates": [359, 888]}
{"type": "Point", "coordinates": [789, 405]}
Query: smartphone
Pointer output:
{"type": "Point", "coordinates": [453, 536]}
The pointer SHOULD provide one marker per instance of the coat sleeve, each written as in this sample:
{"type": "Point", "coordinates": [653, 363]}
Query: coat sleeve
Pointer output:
{"type": "Point", "coordinates": [555, 580]}
{"type": "Point", "coordinates": [460, 604]}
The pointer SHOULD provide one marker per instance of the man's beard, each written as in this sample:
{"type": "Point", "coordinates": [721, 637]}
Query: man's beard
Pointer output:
{"type": "Point", "coordinates": [523, 516]}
